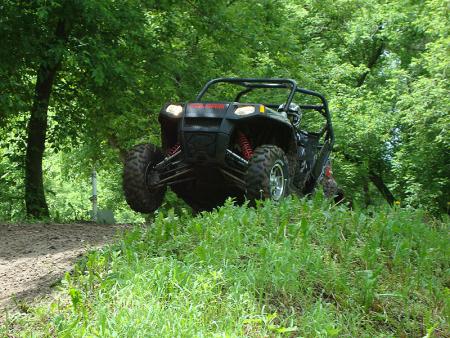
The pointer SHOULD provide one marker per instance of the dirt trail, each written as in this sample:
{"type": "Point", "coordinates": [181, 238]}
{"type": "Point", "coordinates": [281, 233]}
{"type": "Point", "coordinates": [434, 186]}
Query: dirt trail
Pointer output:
{"type": "Point", "coordinates": [33, 257]}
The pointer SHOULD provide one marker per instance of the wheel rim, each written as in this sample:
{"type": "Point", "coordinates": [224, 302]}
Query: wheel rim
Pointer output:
{"type": "Point", "coordinates": [277, 181]}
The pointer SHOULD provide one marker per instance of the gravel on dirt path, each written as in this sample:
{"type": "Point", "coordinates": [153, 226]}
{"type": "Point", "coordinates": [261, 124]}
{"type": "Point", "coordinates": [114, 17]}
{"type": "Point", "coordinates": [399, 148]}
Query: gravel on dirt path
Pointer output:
{"type": "Point", "coordinates": [33, 257]}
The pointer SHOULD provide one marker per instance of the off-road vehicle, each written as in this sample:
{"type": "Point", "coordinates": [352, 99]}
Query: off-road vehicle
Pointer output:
{"type": "Point", "coordinates": [212, 150]}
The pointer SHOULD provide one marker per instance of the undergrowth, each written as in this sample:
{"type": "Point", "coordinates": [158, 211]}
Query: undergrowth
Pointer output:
{"type": "Point", "coordinates": [298, 268]}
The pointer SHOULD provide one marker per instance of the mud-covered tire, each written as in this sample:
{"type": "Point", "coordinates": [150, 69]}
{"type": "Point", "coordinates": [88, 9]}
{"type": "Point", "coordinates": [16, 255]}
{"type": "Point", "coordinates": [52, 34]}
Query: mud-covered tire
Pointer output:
{"type": "Point", "coordinates": [261, 166]}
{"type": "Point", "coordinates": [137, 195]}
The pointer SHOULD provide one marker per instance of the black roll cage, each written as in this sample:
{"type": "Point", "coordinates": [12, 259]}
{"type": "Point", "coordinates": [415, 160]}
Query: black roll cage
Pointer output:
{"type": "Point", "coordinates": [260, 83]}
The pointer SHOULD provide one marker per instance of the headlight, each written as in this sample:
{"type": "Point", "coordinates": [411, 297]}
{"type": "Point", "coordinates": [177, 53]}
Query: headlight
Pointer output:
{"type": "Point", "coordinates": [174, 110]}
{"type": "Point", "coordinates": [245, 110]}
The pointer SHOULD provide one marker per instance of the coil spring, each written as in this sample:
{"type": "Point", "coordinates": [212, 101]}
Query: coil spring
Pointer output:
{"type": "Point", "coordinates": [246, 148]}
{"type": "Point", "coordinates": [172, 150]}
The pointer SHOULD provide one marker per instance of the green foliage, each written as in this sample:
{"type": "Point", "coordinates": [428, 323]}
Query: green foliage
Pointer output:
{"type": "Point", "coordinates": [382, 65]}
{"type": "Point", "coordinates": [423, 126]}
{"type": "Point", "coordinates": [301, 267]}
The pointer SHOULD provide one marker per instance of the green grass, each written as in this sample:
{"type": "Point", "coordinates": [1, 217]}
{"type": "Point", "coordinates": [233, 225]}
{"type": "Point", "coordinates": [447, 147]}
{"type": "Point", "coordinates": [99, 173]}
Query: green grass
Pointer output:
{"type": "Point", "coordinates": [299, 268]}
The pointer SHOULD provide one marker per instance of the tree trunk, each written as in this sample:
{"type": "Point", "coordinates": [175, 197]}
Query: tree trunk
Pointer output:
{"type": "Point", "coordinates": [36, 204]}
{"type": "Point", "coordinates": [367, 200]}
{"type": "Point", "coordinates": [37, 130]}
{"type": "Point", "coordinates": [377, 180]}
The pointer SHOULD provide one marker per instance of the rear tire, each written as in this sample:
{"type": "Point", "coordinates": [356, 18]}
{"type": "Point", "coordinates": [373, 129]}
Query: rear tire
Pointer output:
{"type": "Point", "coordinates": [138, 196]}
{"type": "Point", "coordinates": [267, 174]}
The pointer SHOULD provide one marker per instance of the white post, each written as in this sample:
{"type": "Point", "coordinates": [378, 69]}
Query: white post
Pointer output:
{"type": "Point", "coordinates": [94, 195]}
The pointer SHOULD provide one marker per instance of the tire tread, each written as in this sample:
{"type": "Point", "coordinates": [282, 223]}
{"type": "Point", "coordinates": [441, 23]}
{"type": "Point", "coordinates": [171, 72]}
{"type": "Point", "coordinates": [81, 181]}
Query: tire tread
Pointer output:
{"type": "Point", "coordinates": [137, 195]}
{"type": "Point", "coordinates": [258, 172]}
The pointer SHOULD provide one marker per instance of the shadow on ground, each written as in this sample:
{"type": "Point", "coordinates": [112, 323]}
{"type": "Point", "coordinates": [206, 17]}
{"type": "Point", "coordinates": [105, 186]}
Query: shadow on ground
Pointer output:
{"type": "Point", "coordinates": [33, 257]}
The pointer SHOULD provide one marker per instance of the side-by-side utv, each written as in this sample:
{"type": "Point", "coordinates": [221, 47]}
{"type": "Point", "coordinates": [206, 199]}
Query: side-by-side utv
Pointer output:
{"type": "Point", "coordinates": [212, 150]}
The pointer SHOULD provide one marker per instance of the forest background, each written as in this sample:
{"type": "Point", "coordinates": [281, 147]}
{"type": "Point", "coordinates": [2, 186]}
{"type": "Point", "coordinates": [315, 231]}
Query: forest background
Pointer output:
{"type": "Point", "coordinates": [81, 81]}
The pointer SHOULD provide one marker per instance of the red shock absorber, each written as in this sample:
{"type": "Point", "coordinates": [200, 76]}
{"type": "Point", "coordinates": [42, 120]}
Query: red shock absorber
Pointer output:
{"type": "Point", "coordinates": [172, 150]}
{"type": "Point", "coordinates": [246, 148]}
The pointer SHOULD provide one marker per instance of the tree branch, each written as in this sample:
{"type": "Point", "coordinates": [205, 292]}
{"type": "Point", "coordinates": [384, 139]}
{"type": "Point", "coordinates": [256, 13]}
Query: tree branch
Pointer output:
{"type": "Point", "coordinates": [377, 180]}
{"type": "Point", "coordinates": [376, 54]}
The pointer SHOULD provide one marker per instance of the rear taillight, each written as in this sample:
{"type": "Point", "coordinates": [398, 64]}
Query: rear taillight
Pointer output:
{"type": "Point", "coordinates": [207, 106]}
